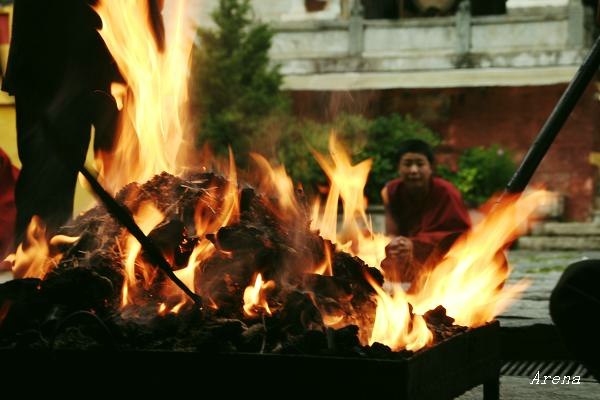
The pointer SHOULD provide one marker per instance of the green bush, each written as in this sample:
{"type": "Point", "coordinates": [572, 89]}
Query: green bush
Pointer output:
{"type": "Point", "coordinates": [481, 173]}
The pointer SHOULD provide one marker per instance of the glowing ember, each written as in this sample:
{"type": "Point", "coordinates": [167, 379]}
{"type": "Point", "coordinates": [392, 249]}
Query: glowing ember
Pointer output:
{"type": "Point", "coordinates": [255, 300]}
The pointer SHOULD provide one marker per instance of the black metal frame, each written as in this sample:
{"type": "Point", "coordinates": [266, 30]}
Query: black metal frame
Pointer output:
{"type": "Point", "coordinates": [443, 371]}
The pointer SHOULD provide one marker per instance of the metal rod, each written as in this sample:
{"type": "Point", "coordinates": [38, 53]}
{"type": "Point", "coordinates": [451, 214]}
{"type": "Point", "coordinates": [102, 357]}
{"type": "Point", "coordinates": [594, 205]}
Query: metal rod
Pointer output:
{"type": "Point", "coordinates": [555, 121]}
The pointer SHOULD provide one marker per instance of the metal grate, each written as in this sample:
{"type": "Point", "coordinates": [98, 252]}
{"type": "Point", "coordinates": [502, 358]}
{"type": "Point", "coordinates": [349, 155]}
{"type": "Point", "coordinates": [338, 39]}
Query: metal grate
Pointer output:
{"type": "Point", "coordinates": [546, 367]}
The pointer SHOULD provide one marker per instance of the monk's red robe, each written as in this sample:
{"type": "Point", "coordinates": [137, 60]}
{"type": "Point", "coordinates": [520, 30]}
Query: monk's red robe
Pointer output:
{"type": "Point", "coordinates": [8, 178]}
{"type": "Point", "coordinates": [433, 224]}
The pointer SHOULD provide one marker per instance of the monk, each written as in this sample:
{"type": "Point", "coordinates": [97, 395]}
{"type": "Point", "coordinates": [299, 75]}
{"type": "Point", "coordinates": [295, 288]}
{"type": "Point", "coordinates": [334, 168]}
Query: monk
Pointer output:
{"type": "Point", "coordinates": [424, 214]}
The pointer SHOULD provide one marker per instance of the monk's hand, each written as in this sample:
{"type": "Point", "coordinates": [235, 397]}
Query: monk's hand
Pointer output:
{"type": "Point", "coordinates": [399, 256]}
{"type": "Point", "coordinates": [399, 247]}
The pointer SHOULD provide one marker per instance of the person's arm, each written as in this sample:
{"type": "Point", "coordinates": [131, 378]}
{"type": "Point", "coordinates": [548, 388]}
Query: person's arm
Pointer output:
{"type": "Point", "coordinates": [399, 252]}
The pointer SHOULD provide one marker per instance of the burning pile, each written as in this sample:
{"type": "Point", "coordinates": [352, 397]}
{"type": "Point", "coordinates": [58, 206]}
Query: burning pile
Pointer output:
{"type": "Point", "coordinates": [103, 274]}
{"type": "Point", "coordinates": [269, 282]}
{"type": "Point", "coordinates": [274, 273]}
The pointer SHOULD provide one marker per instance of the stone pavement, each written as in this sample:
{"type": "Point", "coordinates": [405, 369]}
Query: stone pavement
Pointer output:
{"type": "Point", "coordinates": [543, 269]}
{"type": "Point", "coordinates": [518, 387]}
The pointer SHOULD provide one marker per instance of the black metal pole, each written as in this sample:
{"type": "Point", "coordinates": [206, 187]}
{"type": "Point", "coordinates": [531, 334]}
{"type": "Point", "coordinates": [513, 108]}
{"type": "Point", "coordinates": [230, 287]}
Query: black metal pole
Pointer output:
{"type": "Point", "coordinates": [555, 122]}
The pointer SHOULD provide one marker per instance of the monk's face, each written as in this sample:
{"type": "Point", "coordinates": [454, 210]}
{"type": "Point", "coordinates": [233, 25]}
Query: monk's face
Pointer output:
{"type": "Point", "coordinates": [415, 170]}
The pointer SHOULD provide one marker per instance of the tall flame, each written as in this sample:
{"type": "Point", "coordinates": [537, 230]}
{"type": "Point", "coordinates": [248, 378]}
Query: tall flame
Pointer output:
{"type": "Point", "coordinates": [152, 121]}
{"type": "Point", "coordinates": [147, 217]}
{"type": "Point", "coordinates": [347, 182]}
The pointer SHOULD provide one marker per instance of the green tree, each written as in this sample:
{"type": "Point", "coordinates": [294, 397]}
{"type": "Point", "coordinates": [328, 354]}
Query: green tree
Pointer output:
{"type": "Point", "coordinates": [235, 89]}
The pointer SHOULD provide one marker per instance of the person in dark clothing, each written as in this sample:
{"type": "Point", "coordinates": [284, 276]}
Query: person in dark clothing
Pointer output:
{"type": "Point", "coordinates": [424, 214]}
{"type": "Point", "coordinates": [60, 72]}
{"type": "Point", "coordinates": [575, 309]}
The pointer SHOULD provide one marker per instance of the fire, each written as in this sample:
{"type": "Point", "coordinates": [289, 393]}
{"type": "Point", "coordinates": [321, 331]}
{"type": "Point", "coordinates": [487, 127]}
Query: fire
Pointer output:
{"type": "Point", "coordinates": [207, 217]}
{"type": "Point", "coordinates": [147, 217]}
{"type": "Point", "coordinates": [347, 182]}
{"type": "Point", "coordinates": [394, 325]}
{"type": "Point", "coordinates": [153, 123]}
{"type": "Point", "coordinates": [213, 211]}
{"type": "Point", "coordinates": [469, 282]}
{"type": "Point", "coordinates": [255, 299]}
{"type": "Point", "coordinates": [36, 256]}
{"type": "Point", "coordinates": [275, 181]}
{"type": "Point", "coordinates": [325, 268]}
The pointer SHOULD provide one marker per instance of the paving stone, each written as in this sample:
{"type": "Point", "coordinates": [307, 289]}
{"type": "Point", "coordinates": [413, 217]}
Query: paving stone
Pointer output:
{"type": "Point", "coordinates": [517, 387]}
{"type": "Point", "coordinates": [543, 269]}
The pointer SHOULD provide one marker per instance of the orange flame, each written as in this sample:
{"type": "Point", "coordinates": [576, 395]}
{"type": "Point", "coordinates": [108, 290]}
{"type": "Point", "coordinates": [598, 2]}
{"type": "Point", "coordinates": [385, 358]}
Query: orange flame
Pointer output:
{"type": "Point", "coordinates": [394, 325]}
{"type": "Point", "coordinates": [347, 182]}
{"type": "Point", "coordinates": [147, 217]}
{"type": "Point", "coordinates": [214, 212]}
{"type": "Point", "coordinates": [36, 256]}
{"type": "Point", "coordinates": [325, 268]}
{"type": "Point", "coordinates": [255, 297]}
{"type": "Point", "coordinates": [469, 282]}
{"type": "Point", "coordinates": [277, 183]}
{"type": "Point", "coordinates": [152, 121]}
